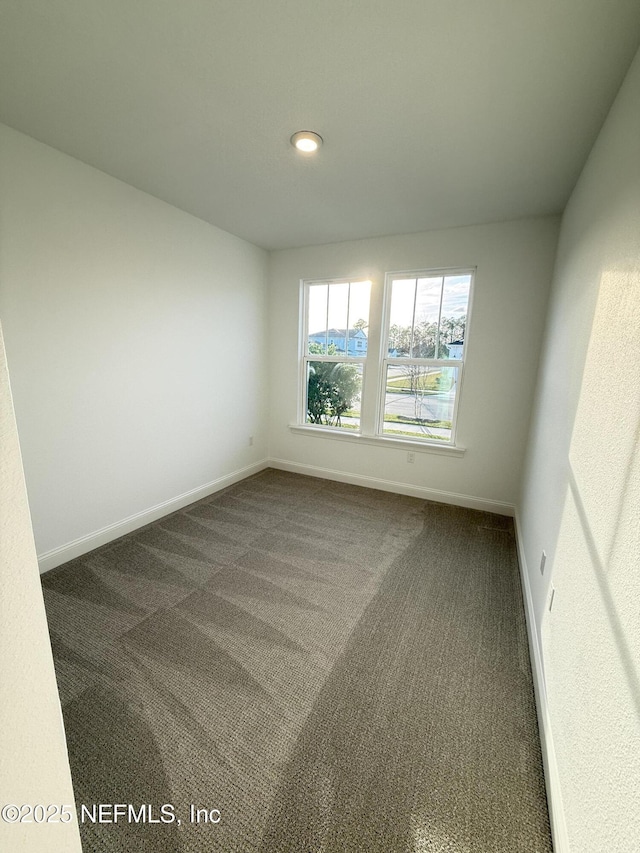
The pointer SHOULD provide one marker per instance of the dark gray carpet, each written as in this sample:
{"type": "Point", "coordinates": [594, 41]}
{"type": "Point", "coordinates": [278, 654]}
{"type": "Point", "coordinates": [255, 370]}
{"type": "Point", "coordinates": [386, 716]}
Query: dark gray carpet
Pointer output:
{"type": "Point", "coordinates": [333, 668]}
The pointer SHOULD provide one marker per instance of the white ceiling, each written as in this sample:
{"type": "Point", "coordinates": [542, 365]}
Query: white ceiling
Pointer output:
{"type": "Point", "coordinates": [435, 113]}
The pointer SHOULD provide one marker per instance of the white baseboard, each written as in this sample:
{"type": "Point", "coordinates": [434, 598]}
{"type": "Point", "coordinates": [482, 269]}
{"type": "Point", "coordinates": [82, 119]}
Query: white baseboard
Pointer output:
{"type": "Point", "coordinates": [551, 773]}
{"type": "Point", "coordinates": [84, 544]}
{"type": "Point", "coordinates": [78, 547]}
{"type": "Point", "coordinates": [499, 507]}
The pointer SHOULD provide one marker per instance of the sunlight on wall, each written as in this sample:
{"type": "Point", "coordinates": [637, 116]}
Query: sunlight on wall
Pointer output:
{"type": "Point", "coordinates": [603, 456]}
{"type": "Point", "coordinates": [607, 424]}
{"type": "Point", "coordinates": [592, 635]}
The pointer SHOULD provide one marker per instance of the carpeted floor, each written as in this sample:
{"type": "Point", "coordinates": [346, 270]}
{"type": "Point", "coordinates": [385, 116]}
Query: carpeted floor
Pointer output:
{"type": "Point", "coordinates": [332, 668]}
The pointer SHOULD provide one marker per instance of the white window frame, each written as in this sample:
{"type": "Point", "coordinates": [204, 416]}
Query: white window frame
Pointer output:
{"type": "Point", "coordinates": [386, 360]}
{"type": "Point", "coordinates": [374, 370]}
{"type": "Point", "coordinates": [344, 358]}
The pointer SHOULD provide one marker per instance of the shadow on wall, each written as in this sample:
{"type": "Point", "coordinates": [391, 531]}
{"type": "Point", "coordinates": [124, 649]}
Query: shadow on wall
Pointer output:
{"type": "Point", "coordinates": [591, 638]}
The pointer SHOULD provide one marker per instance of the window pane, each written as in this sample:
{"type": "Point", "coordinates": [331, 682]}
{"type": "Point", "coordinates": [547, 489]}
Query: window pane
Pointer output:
{"type": "Point", "coordinates": [419, 401]}
{"type": "Point", "coordinates": [453, 320]}
{"type": "Point", "coordinates": [425, 324]}
{"type": "Point", "coordinates": [333, 394]}
{"type": "Point", "coordinates": [338, 316]}
{"type": "Point", "coordinates": [359, 296]}
{"type": "Point", "coordinates": [403, 297]}
{"type": "Point", "coordinates": [317, 319]}
{"type": "Point", "coordinates": [428, 299]}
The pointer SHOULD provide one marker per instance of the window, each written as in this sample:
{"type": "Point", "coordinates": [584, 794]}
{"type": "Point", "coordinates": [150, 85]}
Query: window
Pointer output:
{"type": "Point", "coordinates": [409, 378]}
{"type": "Point", "coordinates": [426, 321]}
{"type": "Point", "coordinates": [336, 319]}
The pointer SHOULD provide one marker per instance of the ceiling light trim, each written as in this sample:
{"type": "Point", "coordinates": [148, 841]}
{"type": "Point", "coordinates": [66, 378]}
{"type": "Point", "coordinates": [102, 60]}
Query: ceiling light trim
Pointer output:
{"type": "Point", "coordinates": [306, 141]}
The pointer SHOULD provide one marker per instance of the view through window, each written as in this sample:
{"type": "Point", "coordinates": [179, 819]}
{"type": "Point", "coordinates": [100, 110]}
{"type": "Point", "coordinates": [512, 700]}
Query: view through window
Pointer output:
{"type": "Point", "coordinates": [337, 319]}
{"type": "Point", "coordinates": [418, 369]}
{"type": "Point", "coordinates": [422, 367]}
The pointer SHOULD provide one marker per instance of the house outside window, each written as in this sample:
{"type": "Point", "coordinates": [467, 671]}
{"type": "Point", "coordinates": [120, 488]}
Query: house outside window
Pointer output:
{"type": "Point", "coordinates": [346, 341]}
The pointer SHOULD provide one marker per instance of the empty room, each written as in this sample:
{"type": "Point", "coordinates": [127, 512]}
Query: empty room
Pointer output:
{"type": "Point", "coordinates": [320, 413]}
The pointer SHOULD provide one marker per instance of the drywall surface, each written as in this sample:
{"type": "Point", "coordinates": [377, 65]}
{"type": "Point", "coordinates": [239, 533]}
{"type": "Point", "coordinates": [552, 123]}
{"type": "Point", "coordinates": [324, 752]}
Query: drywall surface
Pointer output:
{"type": "Point", "coordinates": [581, 492]}
{"type": "Point", "coordinates": [135, 336]}
{"type": "Point", "coordinates": [34, 768]}
{"type": "Point", "coordinates": [514, 264]}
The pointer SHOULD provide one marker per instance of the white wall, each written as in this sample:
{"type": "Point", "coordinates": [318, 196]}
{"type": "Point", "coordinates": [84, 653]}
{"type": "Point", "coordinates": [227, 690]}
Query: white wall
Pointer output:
{"type": "Point", "coordinates": [514, 265]}
{"type": "Point", "coordinates": [34, 767]}
{"type": "Point", "coordinates": [581, 492]}
{"type": "Point", "coordinates": [135, 336]}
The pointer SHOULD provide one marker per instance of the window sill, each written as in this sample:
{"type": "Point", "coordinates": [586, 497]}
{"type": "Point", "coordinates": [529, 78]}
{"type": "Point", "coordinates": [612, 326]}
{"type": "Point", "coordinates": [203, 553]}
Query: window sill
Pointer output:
{"type": "Point", "coordinates": [380, 441]}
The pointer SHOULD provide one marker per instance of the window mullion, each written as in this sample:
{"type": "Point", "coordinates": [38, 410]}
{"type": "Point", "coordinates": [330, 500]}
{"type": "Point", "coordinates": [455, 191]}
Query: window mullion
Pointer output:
{"type": "Point", "coordinates": [413, 319]}
{"type": "Point", "coordinates": [371, 378]}
{"type": "Point", "coordinates": [439, 319]}
{"type": "Point", "coordinates": [326, 324]}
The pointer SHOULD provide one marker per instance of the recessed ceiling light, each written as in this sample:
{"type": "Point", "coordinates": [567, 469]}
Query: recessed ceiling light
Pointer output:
{"type": "Point", "coordinates": [306, 141]}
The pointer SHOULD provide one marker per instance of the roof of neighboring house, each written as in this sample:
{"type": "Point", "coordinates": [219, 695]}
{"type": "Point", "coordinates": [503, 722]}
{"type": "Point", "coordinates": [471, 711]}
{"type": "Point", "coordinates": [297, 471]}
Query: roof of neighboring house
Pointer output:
{"type": "Point", "coordinates": [339, 333]}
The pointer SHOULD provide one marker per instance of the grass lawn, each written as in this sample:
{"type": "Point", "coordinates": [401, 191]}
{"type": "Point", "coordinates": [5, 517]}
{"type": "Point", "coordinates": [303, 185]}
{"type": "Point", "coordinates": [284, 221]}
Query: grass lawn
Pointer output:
{"type": "Point", "coordinates": [416, 435]}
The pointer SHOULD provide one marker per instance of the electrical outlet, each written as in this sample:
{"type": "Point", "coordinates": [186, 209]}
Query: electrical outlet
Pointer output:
{"type": "Point", "coordinates": [411, 457]}
{"type": "Point", "coordinates": [543, 560]}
